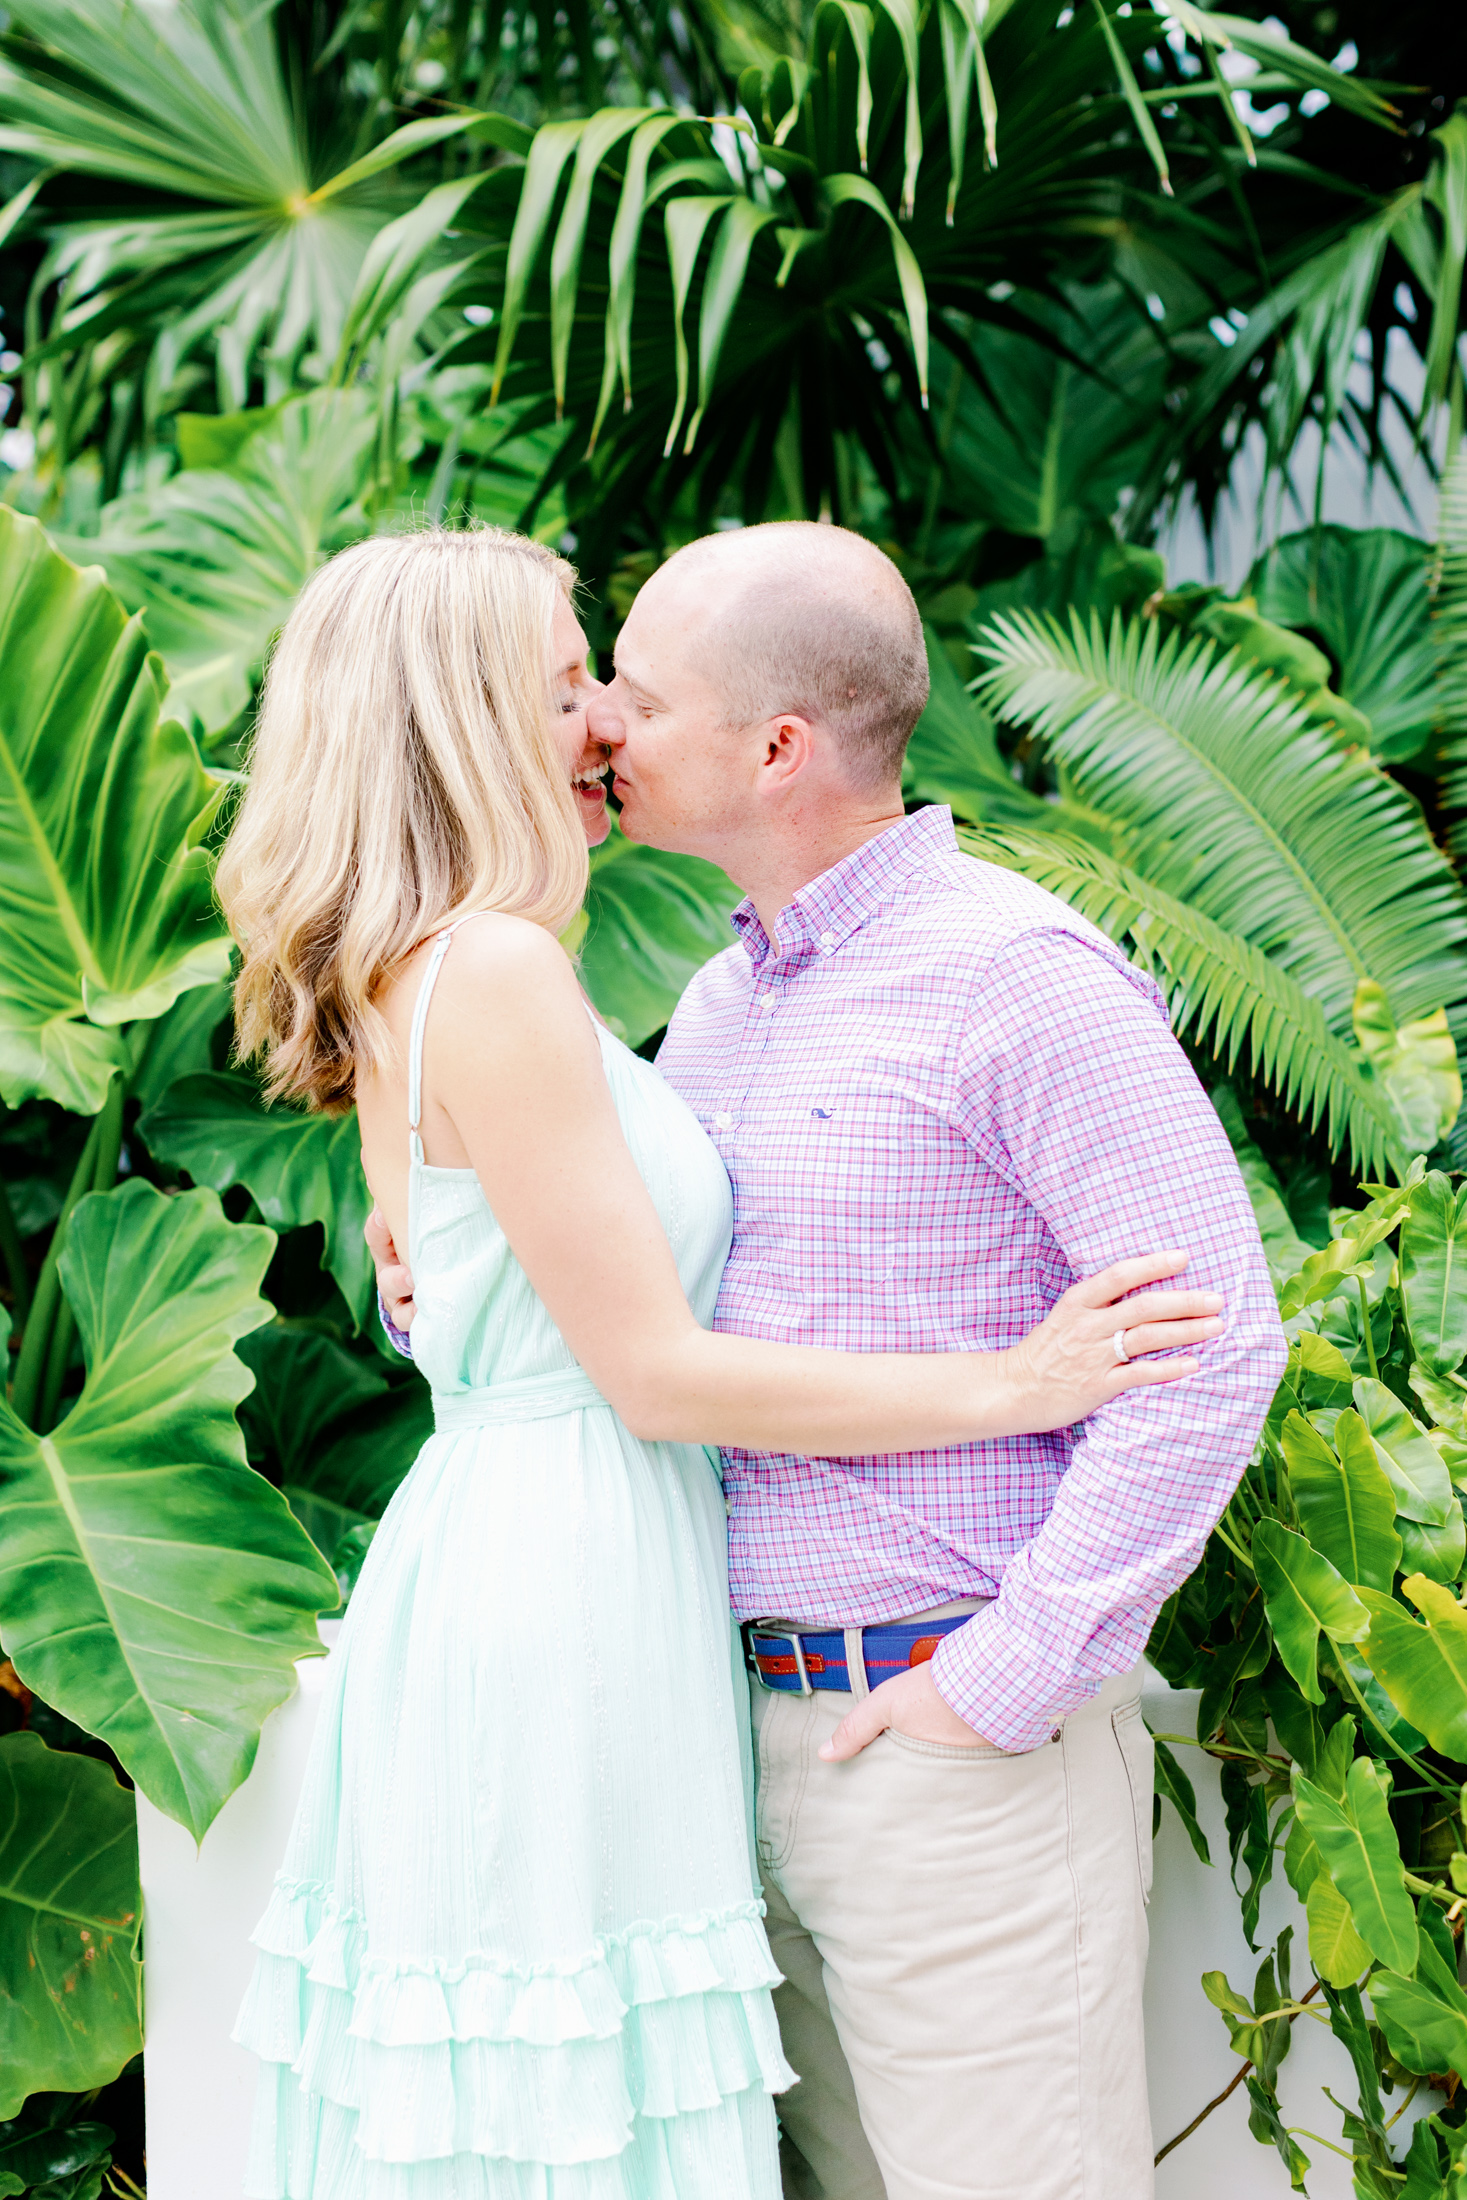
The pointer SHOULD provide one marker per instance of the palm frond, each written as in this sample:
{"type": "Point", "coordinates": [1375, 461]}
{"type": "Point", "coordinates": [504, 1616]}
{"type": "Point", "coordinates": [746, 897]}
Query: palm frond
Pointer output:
{"type": "Point", "coordinates": [843, 214]}
{"type": "Point", "coordinates": [1219, 989]}
{"type": "Point", "coordinates": [1449, 634]}
{"type": "Point", "coordinates": [1237, 803]}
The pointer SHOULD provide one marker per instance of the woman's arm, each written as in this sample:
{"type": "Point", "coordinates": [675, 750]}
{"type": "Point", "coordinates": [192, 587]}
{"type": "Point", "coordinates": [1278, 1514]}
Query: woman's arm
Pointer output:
{"type": "Point", "coordinates": [512, 1059]}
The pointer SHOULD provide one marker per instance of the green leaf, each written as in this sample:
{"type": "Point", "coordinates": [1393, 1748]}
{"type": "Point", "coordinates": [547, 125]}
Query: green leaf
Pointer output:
{"type": "Point", "coordinates": [653, 919]}
{"type": "Point", "coordinates": [1223, 992]}
{"type": "Point", "coordinates": [152, 1588]}
{"type": "Point", "coordinates": [1423, 2029]}
{"type": "Point", "coordinates": [859, 191]}
{"type": "Point", "coordinates": [1436, 1552]}
{"type": "Point", "coordinates": [1422, 1669]}
{"type": "Point", "coordinates": [1363, 1857]}
{"type": "Point", "coordinates": [552, 148]}
{"type": "Point", "coordinates": [1173, 1783]}
{"type": "Point", "coordinates": [234, 228]}
{"type": "Point", "coordinates": [953, 755]}
{"type": "Point", "coordinates": [216, 559]}
{"type": "Point", "coordinates": [1417, 1065]}
{"type": "Point", "coordinates": [1410, 1461]}
{"type": "Point", "coordinates": [1305, 1596]}
{"type": "Point", "coordinates": [330, 1428]}
{"type": "Point", "coordinates": [1346, 1506]}
{"type": "Point", "coordinates": [106, 908]}
{"type": "Point", "coordinates": [1335, 1948]}
{"type": "Point", "coordinates": [1283, 1248]}
{"type": "Point", "coordinates": [1363, 591]}
{"type": "Point", "coordinates": [299, 1168]}
{"type": "Point", "coordinates": [1433, 1261]}
{"type": "Point", "coordinates": [1239, 805]}
{"type": "Point", "coordinates": [71, 2013]}
{"type": "Point", "coordinates": [1334, 1270]}
{"type": "Point", "coordinates": [180, 1043]}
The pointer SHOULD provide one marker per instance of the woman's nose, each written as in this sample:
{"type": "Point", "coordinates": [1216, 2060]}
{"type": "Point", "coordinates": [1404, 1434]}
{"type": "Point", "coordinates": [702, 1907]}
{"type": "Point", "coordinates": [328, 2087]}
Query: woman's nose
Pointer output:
{"type": "Point", "coordinates": [603, 720]}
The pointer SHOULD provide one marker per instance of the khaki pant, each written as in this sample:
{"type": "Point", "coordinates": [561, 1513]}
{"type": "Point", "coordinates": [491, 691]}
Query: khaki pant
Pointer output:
{"type": "Point", "coordinates": [963, 1941]}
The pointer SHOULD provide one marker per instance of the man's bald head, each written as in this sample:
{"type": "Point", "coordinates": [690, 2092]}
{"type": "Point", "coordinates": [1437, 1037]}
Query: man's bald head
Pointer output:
{"type": "Point", "coordinates": [809, 619]}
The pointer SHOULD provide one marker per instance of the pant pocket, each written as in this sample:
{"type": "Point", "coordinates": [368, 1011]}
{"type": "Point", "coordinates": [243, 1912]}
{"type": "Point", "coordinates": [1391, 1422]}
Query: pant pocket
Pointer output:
{"type": "Point", "coordinates": [1138, 1755]}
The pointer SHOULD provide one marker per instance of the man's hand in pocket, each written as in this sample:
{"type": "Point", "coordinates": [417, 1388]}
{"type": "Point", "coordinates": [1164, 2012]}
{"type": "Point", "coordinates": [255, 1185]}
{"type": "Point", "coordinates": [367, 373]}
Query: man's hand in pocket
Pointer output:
{"type": "Point", "coordinates": [910, 1705]}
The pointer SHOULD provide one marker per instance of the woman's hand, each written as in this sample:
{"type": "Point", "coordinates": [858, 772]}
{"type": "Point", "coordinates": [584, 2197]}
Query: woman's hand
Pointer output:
{"type": "Point", "coordinates": [1069, 1365]}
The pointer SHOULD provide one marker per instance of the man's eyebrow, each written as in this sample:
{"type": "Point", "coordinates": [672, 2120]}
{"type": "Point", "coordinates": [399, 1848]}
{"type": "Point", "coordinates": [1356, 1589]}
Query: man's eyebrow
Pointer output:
{"type": "Point", "coordinates": [643, 693]}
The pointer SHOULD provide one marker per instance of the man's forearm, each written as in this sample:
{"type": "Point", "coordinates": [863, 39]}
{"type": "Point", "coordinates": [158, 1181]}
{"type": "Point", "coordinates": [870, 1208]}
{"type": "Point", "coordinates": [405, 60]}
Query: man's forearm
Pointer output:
{"type": "Point", "coordinates": [1117, 1146]}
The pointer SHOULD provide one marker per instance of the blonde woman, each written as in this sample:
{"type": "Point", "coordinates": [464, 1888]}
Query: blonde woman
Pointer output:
{"type": "Point", "coordinates": [515, 1951]}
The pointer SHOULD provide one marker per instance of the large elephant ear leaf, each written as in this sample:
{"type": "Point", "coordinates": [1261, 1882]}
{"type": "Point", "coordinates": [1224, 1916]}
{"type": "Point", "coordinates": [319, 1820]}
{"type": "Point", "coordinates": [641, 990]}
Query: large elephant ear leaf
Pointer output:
{"type": "Point", "coordinates": [653, 919]}
{"type": "Point", "coordinates": [329, 1427]}
{"type": "Point", "coordinates": [216, 556]}
{"type": "Point", "coordinates": [152, 1587]}
{"type": "Point", "coordinates": [71, 2013]}
{"type": "Point", "coordinates": [106, 910]}
{"type": "Point", "coordinates": [298, 1168]}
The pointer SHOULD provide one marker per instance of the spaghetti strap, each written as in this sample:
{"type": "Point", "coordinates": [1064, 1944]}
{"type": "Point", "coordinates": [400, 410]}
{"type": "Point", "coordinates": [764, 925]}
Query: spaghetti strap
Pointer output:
{"type": "Point", "coordinates": [420, 1018]}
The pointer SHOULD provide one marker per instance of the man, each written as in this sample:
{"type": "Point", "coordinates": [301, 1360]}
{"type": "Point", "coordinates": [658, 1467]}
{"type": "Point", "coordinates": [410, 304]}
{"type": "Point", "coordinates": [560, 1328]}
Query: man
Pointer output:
{"type": "Point", "coordinates": [940, 1097]}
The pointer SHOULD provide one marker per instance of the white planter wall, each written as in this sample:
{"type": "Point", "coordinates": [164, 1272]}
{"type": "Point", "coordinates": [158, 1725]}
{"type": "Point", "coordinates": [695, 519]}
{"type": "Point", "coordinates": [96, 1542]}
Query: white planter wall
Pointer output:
{"type": "Point", "coordinates": [201, 1905]}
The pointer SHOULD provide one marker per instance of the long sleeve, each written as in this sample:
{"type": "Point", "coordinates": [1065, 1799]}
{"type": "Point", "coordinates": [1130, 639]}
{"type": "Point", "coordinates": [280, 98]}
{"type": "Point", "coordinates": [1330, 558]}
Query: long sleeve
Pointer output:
{"type": "Point", "coordinates": [1071, 1085]}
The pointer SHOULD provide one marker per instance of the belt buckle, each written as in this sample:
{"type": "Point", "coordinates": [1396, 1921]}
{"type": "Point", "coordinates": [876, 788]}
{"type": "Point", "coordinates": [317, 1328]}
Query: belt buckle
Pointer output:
{"type": "Point", "coordinates": [780, 1634]}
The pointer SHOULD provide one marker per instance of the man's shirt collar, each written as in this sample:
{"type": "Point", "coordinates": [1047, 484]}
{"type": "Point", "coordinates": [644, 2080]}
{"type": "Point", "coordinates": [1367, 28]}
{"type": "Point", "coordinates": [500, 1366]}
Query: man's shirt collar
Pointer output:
{"type": "Point", "coordinates": [824, 914]}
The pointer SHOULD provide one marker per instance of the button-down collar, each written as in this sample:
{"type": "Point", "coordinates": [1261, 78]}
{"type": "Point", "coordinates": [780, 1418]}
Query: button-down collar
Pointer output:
{"type": "Point", "coordinates": [824, 914]}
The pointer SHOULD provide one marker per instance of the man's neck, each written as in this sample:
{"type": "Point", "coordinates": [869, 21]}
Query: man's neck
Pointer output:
{"type": "Point", "coordinates": [774, 872]}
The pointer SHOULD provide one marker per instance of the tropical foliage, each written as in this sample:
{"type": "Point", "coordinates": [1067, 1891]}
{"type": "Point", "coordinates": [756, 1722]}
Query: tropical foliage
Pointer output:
{"type": "Point", "coordinates": [1000, 282]}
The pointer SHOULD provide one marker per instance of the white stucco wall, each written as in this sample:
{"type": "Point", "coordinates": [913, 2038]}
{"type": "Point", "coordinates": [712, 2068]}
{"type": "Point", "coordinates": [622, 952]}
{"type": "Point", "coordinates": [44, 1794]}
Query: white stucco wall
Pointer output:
{"type": "Point", "coordinates": [200, 1907]}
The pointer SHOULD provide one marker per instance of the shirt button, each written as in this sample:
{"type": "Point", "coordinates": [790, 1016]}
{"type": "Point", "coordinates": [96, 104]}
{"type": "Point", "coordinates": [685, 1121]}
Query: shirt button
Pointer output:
{"type": "Point", "coordinates": [723, 1121]}
{"type": "Point", "coordinates": [769, 1001]}
{"type": "Point", "coordinates": [827, 939]}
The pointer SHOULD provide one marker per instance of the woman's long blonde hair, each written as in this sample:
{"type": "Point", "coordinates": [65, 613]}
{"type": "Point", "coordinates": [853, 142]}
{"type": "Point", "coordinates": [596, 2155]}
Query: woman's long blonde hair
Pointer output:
{"type": "Point", "coordinates": [404, 770]}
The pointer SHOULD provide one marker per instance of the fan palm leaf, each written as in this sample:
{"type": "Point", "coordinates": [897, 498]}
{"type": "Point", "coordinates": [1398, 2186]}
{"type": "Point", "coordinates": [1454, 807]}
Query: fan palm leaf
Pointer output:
{"type": "Point", "coordinates": [801, 269]}
{"type": "Point", "coordinates": [1219, 988]}
{"type": "Point", "coordinates": [1236, 802]}
{"type": "Point", "coordinates": [246, 212]}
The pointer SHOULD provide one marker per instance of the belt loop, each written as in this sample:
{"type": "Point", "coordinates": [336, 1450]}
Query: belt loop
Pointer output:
{"type": "Point", "coordinates": [856, 1661]}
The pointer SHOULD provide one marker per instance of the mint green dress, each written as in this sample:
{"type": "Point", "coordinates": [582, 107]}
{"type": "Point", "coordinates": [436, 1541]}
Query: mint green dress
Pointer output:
{"type": "Point", "coordinates": [515, 1951]}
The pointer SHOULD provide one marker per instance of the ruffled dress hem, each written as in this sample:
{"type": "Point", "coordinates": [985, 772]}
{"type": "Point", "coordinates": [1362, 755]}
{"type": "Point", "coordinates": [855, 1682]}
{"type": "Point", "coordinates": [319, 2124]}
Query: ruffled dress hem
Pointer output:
{"type": "Point", "coordinates": [625, 2074]}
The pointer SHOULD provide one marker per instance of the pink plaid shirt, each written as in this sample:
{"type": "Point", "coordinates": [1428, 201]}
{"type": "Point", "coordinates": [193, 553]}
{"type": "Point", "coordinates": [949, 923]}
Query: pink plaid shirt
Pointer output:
{"type": "Point", "coordinates": [941, 1096]}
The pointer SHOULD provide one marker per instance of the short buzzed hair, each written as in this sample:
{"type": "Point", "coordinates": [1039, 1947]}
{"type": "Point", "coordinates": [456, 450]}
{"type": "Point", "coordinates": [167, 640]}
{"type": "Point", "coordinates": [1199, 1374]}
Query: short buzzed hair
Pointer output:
{"type": "Point", "coordinates": [812, 619]}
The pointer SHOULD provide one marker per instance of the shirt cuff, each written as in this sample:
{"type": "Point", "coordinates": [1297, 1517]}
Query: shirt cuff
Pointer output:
{"type": "Point", "coordinates": [399, 1339]}
{"type": "Point", "coordinates": [985, 1674]}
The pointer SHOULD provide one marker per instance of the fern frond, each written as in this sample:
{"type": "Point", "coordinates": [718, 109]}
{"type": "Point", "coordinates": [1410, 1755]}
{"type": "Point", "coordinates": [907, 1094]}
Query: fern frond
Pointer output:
{"type": "Point", "coordinates": [1218, 988]}
{"type": "Point", "coordinates": [1236, 803]}
{"type": "Point", "coordinates": [1449, 634]}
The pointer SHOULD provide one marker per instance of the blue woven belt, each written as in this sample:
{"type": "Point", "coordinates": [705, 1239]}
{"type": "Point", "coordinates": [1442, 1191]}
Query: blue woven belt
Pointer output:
{"type": "Point", "coordinates": [531, 1398]}
{"type": "Point", "coordinates": [797, 1665]}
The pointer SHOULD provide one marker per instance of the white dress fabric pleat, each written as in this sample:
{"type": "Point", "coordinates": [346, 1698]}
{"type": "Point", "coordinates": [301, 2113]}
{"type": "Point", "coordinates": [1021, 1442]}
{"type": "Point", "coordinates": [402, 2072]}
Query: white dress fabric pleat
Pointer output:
{"type": "Point", "coordinates": [515, 1950]}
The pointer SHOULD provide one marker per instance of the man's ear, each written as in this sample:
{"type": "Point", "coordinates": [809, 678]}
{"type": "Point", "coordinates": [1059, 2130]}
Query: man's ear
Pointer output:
{"type": "Point", "coordinates": [788, 747]}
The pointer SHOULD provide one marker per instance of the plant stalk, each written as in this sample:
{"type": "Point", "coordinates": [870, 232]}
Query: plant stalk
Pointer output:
{"type": "Point", "coordinates": [33, 1364]}
{"type": "Point", "coordinates": [1370, 1360]}
{"type": "Point", "coordinates": [1228, 2090]}
{"type": "Point", "coordinates": [104, 1176]}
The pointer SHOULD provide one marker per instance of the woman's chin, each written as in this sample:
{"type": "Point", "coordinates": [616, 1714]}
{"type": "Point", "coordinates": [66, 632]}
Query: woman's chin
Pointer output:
{"type": "Point", "coordinates": [596, 825]}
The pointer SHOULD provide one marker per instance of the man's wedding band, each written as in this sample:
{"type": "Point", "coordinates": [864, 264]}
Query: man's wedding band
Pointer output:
{"type": "Point", "coordinates": [1119, 1341]}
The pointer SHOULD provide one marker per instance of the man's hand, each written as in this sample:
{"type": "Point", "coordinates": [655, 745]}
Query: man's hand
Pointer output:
{"type": "Point", "coordinates": [910, 1705]}
{"type": "Point", "coordinates": [393, 1280]}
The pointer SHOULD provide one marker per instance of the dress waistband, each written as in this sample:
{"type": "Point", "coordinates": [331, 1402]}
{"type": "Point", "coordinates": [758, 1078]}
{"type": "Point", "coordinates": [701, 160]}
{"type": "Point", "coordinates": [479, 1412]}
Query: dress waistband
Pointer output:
{"type": "Point", "coordinates": [530, 1398]}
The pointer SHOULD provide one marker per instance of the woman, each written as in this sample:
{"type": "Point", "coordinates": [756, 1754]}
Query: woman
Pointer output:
{"type": "Point", "coordinates": [515, 1952]}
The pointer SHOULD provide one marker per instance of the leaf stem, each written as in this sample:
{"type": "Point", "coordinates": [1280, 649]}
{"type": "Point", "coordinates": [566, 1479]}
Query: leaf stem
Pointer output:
{"type": "Point", "coordinates": [1230, 2088]}
{"type": "Point", "coordinates": [1423, 1772]}
{"type": "Point", "coordinates": [35, 1350]}
{"type": "Point", "coordinates": [104, 1176]}
{"type": "Point", "coordinates": [1370, 1359]}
